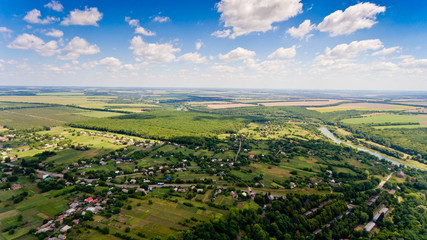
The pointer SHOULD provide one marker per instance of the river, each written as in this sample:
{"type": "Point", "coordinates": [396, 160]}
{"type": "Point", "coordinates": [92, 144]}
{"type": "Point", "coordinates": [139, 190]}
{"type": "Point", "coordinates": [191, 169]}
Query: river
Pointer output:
{"type": "Point", "coordinates": [331, 136]}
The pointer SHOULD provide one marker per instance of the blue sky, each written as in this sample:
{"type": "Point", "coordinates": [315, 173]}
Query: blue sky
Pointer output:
{"type": "Point", "coordinates": [286, 44]}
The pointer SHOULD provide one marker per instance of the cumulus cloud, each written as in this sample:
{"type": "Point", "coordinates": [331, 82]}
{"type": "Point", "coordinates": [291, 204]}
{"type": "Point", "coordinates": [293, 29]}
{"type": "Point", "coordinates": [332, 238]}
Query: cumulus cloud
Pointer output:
{"type": "Point", "coordinates": [161, 19]}
{"type": "Point", "coordinates": [34, 15]}
{"type": "Point", "coordinates": [302, 30]}
{"type": "Point", "coordinates": [198, 45]}
{"type": "Point", "coordinates": [78, 46]}
{"type": "Point", "coordinates": [86, 17]}
{"type": "Point", "coordinates": [10, 62]}
{"type": "Point", "coordinates": [342, 55]}
{"type": "Point", "coordinates": [192, 57]}
{"type": "Point", "coordinates": [284, 53]}
{"type": "Point", "coordinates": [111, 63]}
{"type": "Point", "coordinates": [55, 5]}
{"type": "Point", "coordinates": [5, 30]}
{"type": "Point", "coordinates": [221, 33]}
{"type": "Point", "coordinates": [143, 31]}
{"type": "Point", "coordinates": [154, 52]}
{"type": "Point", "coordinates": [223, 68]}
{"type": "Point", "coordinates": [132, 22]}
{"type": "Point", "coordinates": [247, 16]}
{"type": "Point", "coordinates": [359, 16]}
{"type": "Point", "coordinates": [386, 51]}
{"type": "Point", "coordinates": [28, 41]}
{"type": "Point", "coordinates": [354, 48]}
{"type": "Point", "coordinates": [237, 55]}
{"type": "Point", "coordinates": [55, 33]}
{"type": "Point", "coordinates": [412, 63]}
{"type": "Point", "coordinates": [138, 29]}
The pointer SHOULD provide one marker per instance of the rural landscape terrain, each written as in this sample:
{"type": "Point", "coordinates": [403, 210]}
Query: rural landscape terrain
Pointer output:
{"type": "Point", "coordinates": [213, 120]}
{"type": "Point", "coordinates": [146, 163]}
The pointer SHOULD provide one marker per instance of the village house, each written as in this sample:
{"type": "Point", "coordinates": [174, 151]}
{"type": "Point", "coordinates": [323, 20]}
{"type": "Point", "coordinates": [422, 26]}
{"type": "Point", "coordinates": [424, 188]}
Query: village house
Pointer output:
{"type": "Point", "coordinates": [15, 186]}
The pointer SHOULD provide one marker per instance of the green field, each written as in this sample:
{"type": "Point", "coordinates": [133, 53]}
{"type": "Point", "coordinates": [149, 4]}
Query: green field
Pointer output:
{"type": "Point", "coordinates": [167, 124]}
{"type": "Point", "coordinates": [161, 218]}
{"type": "Point", "coordinates": [34, 209]}
{"type": "Point", "coordinates": [400, 126]}
{"type": "Point", "coordinates": [387, 118]}
{"type": "Point", "coordinates": [47, 116]}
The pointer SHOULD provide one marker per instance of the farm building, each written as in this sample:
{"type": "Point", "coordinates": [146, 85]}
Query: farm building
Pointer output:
{"type": "Point", "coordinates": [384, 210]}
{"type": "Point", "coordinates": [369, 226]}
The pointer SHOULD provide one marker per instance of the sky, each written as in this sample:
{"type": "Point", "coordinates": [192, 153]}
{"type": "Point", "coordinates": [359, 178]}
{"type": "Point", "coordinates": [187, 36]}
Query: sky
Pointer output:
{"type": "Point", "coordinates": [260, 44]}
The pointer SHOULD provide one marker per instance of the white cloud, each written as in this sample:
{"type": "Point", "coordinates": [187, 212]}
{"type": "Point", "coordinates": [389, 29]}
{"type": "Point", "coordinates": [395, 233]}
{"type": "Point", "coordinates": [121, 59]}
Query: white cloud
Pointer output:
{"type": "Point", "coordinates": [143, 31]}
{"type": "Point", "coordinates": [246, 16]}
{"type": "Point", "coordinates": [79, 46]}
{"type": "Point", "coordinates": [111, 63]}
{"type": "Point", "coordinates": [5, 30]}
{"type": "Point", "coordinates": [222, 33]}
{"type": "Point", "coordinates": [223, 68]}
{"type": "Point", "coordinates": [132, 22]}
{"type": "Point", "coordinates": [354, 48]}
{"type": "Point", "coordinates": [138, 28]}
{"type": "Point", "coordinates": [28, 41]}
{"type": "Point", "coordinates": [386, 51]}
{"type": "Point", "coordinates": [55, 33]}
{"type": "Point", "coordinates": [411, 62]}
{"type": "Point", "coordinates": [10, 62]}
{"type": "Point", "coordinates": [359, 16]}
{"type": "Point", "coordinates": [153, 51]}
{"type": "Point", "coordinates": [284, 53]}
{"type": "Point", "coordinates": [161, 19]}
{"type": "Point", "coordinates": [34, 15]}
{"type": "Point", "coordinates": [237, 55]}
{"type": "Point", "coordinates": [198, 45]}
{"type": "Point", "coordinates": [86, 17]}
{"type": "Point", "coordinates": [192, 57]}
{"type": "Point", "coordinates": [55, 5]}
{"type": "Point", "coordinates": [343, 56]}
{"type": "Point", "coordinates": [303, 29]}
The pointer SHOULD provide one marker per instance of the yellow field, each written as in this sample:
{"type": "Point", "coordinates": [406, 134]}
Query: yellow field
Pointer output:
{"type": "Point", "coordinates": [363, 107]}
{"type": "Point", "coordinates": [230, 105]}
{"type": "Point", "coordinates": [314, 102]}
{"type": "Point", "coordinates": [82, 101]}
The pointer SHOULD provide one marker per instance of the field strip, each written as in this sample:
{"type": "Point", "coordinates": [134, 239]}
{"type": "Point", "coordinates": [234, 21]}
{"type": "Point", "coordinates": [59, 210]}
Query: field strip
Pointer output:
{"type": "Point", "coordinates": [34, 116]}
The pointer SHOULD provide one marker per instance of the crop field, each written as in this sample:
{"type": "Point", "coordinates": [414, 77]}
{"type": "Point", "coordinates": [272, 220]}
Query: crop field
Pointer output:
{"type": "Point", "coordinates": [47, 116]}
{"type": "Point", "coordinates": [84, 101]}
{"type": "Point", "coordinates": [167, 124]}
{"type": "Point", "coordinates": [401, 126]}
{"type": "Point", "coordinates": [363, 107]}
{"type": "Point", "coordinates": [161, 218]}
{"type": "Point", "coordinates": [417, 103]}
{"type": "Point", "coordinates": [288, 130]}
{"type": "Point", "coordinates": [229, 105]}
{"type": "Point", "coordinates": [34, 210]}
{"type": "Point", "coordinates": [318, 102]}
{"type": "Point", "coordinates": [387, 118]}
{"type": "Point", "coordinates": [37, 117]}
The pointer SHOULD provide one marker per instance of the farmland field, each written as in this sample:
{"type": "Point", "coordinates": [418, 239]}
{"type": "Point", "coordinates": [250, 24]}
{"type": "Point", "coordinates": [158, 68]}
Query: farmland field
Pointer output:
{"type": "Point", "coordinates": [47, 116]}
{"type": "Point", "coordinates": [319, 102]}
{"type": "Point", "coordinates": [387, 118]}
{"type": "Point", "coordinates": [229, 105]}
{"type": "Point", "coordinates": [363, 107]}
{"type": "Point", "coordinates": [166, 124]}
